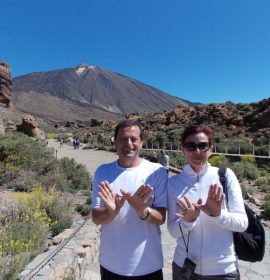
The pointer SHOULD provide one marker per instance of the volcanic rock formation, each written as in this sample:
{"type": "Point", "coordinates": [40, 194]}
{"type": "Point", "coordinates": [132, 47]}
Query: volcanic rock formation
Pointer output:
{"type": "Point", "coordinates": [5, 85]}
{"type": "Point", "coordinates": [29, 126]}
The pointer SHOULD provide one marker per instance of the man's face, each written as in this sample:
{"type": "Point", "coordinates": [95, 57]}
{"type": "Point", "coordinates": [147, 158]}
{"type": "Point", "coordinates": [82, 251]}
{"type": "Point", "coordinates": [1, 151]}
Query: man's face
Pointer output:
{"type": "Point", "coordinates": [128, 143]}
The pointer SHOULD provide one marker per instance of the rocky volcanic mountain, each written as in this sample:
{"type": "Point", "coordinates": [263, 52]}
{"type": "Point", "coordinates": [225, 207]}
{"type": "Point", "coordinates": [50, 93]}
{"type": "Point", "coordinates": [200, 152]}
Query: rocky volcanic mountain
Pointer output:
{"type": "Point", "coordinates": [87, 92]}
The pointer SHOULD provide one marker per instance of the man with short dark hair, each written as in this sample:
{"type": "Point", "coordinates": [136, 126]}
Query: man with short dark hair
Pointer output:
{"type": "Point", "coordinates": [129, 200]}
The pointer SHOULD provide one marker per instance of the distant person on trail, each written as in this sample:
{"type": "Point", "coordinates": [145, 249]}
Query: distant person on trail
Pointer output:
{"type": "Point", "coordinates": [78, 143]}
{"type": "Point", "coordinates": [61, 143]}
{"type": "Point", "coordinates": [129, 202]}
{"type": "Point", "coordinates": [198, 215]}
{"type": "Point", "coordinates": [75, 144]}
{"type": "Point", "coordinates": [111, 140]}
{"type": "Point", "coordinates": [164, 160]}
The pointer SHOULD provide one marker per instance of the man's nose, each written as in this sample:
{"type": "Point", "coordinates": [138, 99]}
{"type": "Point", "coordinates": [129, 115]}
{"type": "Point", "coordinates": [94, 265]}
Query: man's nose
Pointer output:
{"type": "Point", "coordinates": [129, 142]}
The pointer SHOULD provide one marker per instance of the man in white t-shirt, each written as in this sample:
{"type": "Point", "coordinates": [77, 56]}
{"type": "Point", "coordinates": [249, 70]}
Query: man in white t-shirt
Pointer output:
{"type": "Point", "coordinates": [129, 200]}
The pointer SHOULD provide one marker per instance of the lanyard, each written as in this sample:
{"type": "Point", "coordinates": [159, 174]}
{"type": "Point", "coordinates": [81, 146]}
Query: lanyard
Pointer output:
{"type": "Point", "coordinates": [186, 244]}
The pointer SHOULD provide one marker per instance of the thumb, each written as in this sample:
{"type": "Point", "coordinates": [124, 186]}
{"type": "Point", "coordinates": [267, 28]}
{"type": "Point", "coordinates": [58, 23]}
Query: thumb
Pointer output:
{"type": "Point", "coordinates": [199, 202]}
{"type": "Point", "coordinates": [125, 194]}
{"type": "Point", "coordinates": [198, 205]}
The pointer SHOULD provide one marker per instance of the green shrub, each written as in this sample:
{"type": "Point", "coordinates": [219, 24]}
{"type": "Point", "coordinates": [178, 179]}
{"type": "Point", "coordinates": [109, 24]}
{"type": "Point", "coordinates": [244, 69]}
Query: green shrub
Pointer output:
{"type": "Point", "coordinates": [262, 151]}
{"type": "Point", "coordinates": [24, 227]}
{"type": "Point", "coordinates": [89, 200]}
{"type": "Point", "coordinates": [83, 209]}
{"type": "Point", "coordinates": [219, 161]}
{"type": "Point", "coordinates": [247, 158]}
{"type": "Point", "coordinates": [266, 208]}
{"type": "Point", "coordinates": [86, 193]}
{"type": "Point", "coordinates": [180, 160]}
{"type": "Point", "coordinates": [264, 172]}
{"type": "Point", "coordinates": [239, 170]}
{"type": "Point", "coordinates": [246, 190]}
{"type": "Point", "coordinates": [261, 181]}
{"type": "Point", "coordinates": [245, 170]}
{"type": "Point", "coordinates": [264, 183]}
{"type": "Point", "coordinates": [252, 172]}
{"type": "Point", "coordinates": [21, 169]}
{"type": "Point", "coordinates": [76, 174]}
{"type": "Point", "coordinates": [52, 136]}
{"type": "Point", "coordinates": [55, 206]}
{"type": "Point", "coordinates": [265, 188]}
{"type": "Point", "coordinates": [246, 149]}
{"type": "Point", "coordinates": [33, 156]}
{"type": "Point", "coordinates": [63, 222]}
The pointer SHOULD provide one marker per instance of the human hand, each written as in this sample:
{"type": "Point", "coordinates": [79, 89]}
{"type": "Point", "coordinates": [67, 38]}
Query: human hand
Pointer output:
{"type": "Point", "coordinates": [187, 211]}
{"type": "Point", "coordinates": [140, 199]}
{"type": "Point", "coordinates": [113, 201]}
{"type": "Point", "coordinates": [212, 206]}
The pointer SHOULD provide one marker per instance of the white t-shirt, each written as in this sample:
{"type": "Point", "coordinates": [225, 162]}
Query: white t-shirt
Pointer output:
{"type": "Point", "coordinates": [128, 245]}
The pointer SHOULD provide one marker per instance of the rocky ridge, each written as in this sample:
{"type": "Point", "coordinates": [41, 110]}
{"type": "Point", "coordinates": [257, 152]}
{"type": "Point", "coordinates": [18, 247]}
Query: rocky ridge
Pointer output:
{"type": "Point", "coordinates": [233, 120]}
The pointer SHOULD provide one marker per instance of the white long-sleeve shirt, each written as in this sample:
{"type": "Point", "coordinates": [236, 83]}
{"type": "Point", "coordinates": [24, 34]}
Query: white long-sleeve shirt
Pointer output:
{"type": "Point", "coordinates": [211, 244]}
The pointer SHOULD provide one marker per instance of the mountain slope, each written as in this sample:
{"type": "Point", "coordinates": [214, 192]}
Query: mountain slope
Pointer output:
{"type": "Point", "coordinates": [87, 92]}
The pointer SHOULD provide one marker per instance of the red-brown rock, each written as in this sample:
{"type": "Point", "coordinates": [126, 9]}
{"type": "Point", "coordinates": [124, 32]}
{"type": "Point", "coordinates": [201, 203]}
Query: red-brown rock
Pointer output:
{"type": "Point", "coordinates": [29, 126]}
{"type": "Point", "coordinates": [5, 85]}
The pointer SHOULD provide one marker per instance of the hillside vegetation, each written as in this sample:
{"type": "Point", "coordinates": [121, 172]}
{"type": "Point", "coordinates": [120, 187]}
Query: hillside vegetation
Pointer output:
{"type": "Point", "coordinates": [39, 207]}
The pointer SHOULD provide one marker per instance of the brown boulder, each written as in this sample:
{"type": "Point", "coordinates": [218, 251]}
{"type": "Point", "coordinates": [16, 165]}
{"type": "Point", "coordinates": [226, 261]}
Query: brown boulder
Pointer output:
{"type": "Point", "coordinates": [5, 85]}
{"type": "Point", "coordinates": [29, 126]}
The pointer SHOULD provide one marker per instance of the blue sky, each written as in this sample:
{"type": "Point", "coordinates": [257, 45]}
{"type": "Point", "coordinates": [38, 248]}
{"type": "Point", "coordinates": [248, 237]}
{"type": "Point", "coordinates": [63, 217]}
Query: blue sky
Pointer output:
{"type": "Point", "coordinates": [199, 50]}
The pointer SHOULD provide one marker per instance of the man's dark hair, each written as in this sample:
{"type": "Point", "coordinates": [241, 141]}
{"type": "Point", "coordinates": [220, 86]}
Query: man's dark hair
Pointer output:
{"type": "Point", "coordinates": [128, 123]}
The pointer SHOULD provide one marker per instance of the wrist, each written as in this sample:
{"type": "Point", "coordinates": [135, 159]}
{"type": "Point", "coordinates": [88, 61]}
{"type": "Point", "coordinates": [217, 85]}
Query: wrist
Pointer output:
{"type": "Point", "coordinates": [147, 214]}
{"type": "Point", "coordinates": [114, 212]}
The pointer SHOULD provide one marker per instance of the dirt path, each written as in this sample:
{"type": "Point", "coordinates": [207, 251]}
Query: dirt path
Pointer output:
{"type": "Point", "coordinates": [91, 158]}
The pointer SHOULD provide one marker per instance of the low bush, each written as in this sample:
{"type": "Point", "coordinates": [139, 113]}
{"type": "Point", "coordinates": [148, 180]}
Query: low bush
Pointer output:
{"type": "Point", "coordinates": [180, 161]}
{"type": "Point", "coordinates": [252, 172]}
{"type": "Point", "coordinates": [265, 188]}
{"type": "Point", "coordinates": [239, 170]}
{"type": "Point", "coordinates": [246, 189]}
{"type": "Point", "coordinates": [89, 200]}
{"type": "Point", "coordinates": [76, 174]}
{"type": "Point", "coordinates": [86, 193]}
{"type": "Point", "coordinates": [247, 158]}
{"type": "Point", "coordinates": [52, 136]}
{"type": "Point", "coordinates": [83, 209]}
{"type": "Point", "coordinates": [21, 169]}
{"type": "Point", "coordinates": [266, 208]}
{"type": "Point", "coordinates": [245, 170]}
{"type": "Point", "coordinates": [261, 181]}
{"type": "Point", "coordinates": [219, 161]}
{"type": "Point", "coordinates": [22, 235]}
{"type": "Point", "coordinates": [56, 208]}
